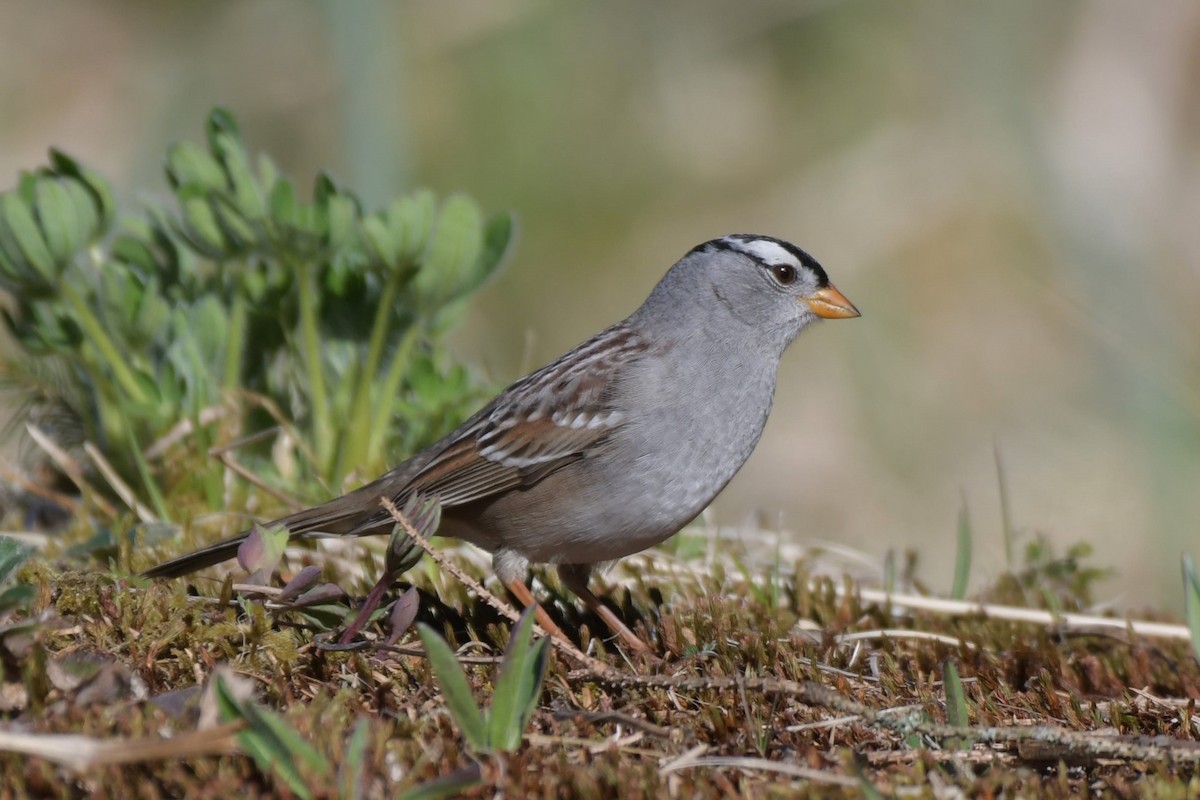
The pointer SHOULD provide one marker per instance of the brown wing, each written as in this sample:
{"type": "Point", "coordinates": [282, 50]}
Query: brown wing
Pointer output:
{"type": "Point", "coordinates": [538, 425]}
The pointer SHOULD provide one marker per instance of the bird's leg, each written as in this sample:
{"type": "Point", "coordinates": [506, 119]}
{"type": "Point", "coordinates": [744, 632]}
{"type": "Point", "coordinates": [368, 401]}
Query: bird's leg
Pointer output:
{"type": "Point", "coordinates": [575, 578]}
{"type": "Point", "coordinates": [526, 598]}
{"type": "Point", "coordinates": [511, 567]}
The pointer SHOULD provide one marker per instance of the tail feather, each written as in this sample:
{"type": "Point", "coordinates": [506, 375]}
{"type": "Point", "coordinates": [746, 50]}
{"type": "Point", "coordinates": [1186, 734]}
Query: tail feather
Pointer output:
{"type": "Point", "coordinates": [355, 514]}
{"type": "Point", "coordinates": [214, 553]}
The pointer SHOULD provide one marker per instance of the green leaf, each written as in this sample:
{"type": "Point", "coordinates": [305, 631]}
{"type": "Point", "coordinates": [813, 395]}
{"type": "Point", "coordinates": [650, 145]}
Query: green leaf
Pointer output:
{"type": "Point", "coordinates": [87, 216]}
{"type": "Point", "coordinates": [962, 556]}
{"type": "Point", "coordinates": [29, 239]}
{"type": "Point", "coordinates": [452, 785]}
{"type": "Point", "coordinates": [343, 213]}
{"type": "Point", "coordinates": [101, 193]}
{"type": "Point", "coordinates": [247, 196]}
{"type": "Point", "coordinates": [56, 216]}
{"type": "Point", "coordinates": [1191, 599]}
{"type": "Point", "coordinates": [271, 742]}
{"type": "Point", "coordinates": [283, 201]}
{"type": "Point", "coordinates": [456, 689]}
{"type": "Point", "coordinates": [15, 597]}
{"type": "Point", "coordinates": [518, 687]}
{"type": "Point", "coordinates": [239, 232]}
{"type": "Point", "coordinates": [497, 237]}
{"type": "Point", "coordinates": [410, 219]}
{"type": "Point", "coordinates": [351, 770]}
{"type": "Point", "coordinates": [188, 164]}
{"type": "Point", "coordinates": [12, 555]}
{"type": "Point", "coordinates": [201, 226]}
{"type": "Point", "coordinates": [380, 241]}
{"type": "Point", "coordinates": [452, 257]}
{"type": "Point", "coordinates": [221, 120]}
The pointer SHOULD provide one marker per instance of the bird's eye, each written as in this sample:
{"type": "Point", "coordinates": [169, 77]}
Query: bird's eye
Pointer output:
{"type": "Point", "coordinates": [784, 274]}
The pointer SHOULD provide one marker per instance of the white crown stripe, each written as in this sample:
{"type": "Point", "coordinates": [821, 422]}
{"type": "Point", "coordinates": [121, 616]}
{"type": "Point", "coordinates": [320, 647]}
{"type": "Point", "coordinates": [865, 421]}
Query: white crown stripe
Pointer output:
{"type": "Point", "coordinates": [763, 250]}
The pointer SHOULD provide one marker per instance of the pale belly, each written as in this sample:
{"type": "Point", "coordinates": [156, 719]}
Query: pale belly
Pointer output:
{"type": "Point", "coordinates": [633, 495]}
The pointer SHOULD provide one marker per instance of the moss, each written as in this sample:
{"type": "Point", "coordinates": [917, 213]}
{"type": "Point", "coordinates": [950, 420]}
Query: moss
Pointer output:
{"type": "Point", "coordinates": [587, 741]}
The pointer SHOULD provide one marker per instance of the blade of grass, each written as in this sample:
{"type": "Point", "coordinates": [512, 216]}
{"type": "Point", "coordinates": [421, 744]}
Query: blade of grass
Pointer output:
{"type": "Point", "coordinates": [311, 347]}
{"type": "Point", "coordinates": [518, 686]}
{"type": "Point", "coordinates": [1191, 598]}
{"type": "Point", "coordinates": [1010, 539]}
{"type": "Point", "coordinates": [452, 785]}
{"type": "Point", "coordinates": [390, 389]}
{"type": "Point", "coordinates": [356, 449]}
{"type": "Point", "coordinates": [351, 772]}
{"type": "Point", "coordinates": [455, 688]}
{"type": "Point", "coordinates": [962, 556]}
{"type": "Point", "coordinates": [156, 496]}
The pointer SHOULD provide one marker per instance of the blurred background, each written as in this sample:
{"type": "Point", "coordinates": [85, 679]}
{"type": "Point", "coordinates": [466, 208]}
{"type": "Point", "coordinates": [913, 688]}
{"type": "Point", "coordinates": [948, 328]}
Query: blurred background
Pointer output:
{"type": "Point", "coordinates": [1010, 192]}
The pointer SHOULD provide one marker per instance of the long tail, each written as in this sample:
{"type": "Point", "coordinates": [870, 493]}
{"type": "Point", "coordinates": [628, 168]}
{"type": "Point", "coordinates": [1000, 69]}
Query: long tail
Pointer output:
{"type": "Point", "coordinates": [214, 553]}
{"type": "Point", "coordinates": [355, 514]}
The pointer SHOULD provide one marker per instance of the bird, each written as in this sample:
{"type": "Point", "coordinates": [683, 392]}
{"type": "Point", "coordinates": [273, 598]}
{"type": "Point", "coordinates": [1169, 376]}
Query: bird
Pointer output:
{"type": "Point", "coordinates": [616, 445]}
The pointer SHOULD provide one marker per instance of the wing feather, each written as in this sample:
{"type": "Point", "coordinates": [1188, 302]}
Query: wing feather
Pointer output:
{"type": "Point", "coordinates": [540, 424]}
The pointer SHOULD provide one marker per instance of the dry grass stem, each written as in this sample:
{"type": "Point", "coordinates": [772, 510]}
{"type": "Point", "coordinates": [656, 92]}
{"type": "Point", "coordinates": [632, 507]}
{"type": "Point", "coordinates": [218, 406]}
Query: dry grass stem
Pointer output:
{"type": "Point", "coordinates": [119, 486]}
{"type": "Point", "coordinates": [1017, 614]}
{"type": "Point", "coordinates": [69, 467]}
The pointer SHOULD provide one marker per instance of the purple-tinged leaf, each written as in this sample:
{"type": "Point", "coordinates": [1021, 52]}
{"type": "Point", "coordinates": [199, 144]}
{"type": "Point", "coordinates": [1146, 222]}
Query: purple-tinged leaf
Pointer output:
{"type": "Point", "coordinates": [404, 612]}
{"type": "Point", "coordinates": [301, 581]}
{"type": "Point", "coordinates": [324, 593]}
{"type": "Point", "coordinates": [262, 549]}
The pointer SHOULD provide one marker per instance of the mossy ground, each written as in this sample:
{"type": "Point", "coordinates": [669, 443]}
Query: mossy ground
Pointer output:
{"type": "Point", "coordinates": [141, 648]}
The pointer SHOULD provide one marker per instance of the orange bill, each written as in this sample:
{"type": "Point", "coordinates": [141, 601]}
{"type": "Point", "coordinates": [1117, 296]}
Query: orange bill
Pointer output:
{"type": "Point", "coordinates": [830, 304]}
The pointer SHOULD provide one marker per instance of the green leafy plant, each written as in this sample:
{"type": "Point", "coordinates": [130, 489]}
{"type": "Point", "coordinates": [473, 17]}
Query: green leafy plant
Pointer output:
{"type": "Point", "coordinates": [275, 747]}
{"type": "Point", "coordinates": [239, 301]}
{"type": "Point", "coordinates": [517, 688]}
{"type": "Point", "coordinates": [12, 555]}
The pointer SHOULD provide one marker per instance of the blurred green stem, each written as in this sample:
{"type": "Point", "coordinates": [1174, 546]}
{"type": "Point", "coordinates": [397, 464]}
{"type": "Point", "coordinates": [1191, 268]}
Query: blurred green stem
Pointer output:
{"type": "Point", "coordinates": [235, 344]}
{"type": "Point", "coordinates": [390, 389]}
{"type": "Point", "coordinates": [155, 494]}
{"type": "Point", "coordinates": [100, 340]}
{"type": "Point", "coordinates": [311, 346]}
{"type": "Point", "coordinates": [356, 449]}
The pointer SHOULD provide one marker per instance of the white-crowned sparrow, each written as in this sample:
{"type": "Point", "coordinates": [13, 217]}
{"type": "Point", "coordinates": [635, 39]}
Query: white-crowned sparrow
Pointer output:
{"type": "Point", "coordinates": [619, 443]}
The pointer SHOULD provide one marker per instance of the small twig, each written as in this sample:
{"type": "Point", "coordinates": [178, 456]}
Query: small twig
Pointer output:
{"type": "Point", "coordinates": [616, 717]}
{"type": "Point", "coordinates": [568, 649]}
{"type": "Point", "coordinates": [419, 652]}
{"type": "Point", "coordinates": [84, 752]}
{"type": "Point", "coordinates": [118, 485]}
{"type": "Point", "coordinates": [625, 746]}
{"type": "Point", "coordinates": [688, 761]}
{"type": "Point", "coordinates": [70, 467]}
{"type": "Point", "coordinates": [225, 457]}
{"type": "Point", "coordinates": [901, 633]}
{"type": "Point", "coordinates": [242, 441]}
{"type": "Point", "coordinates": [183, 429]}
{"type": "Point", "coordinates": [66, 501]}
{"type": "Point", "coordinates": [1018, 614]}
{"type": "Point", "coordinates": [272, 408]}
